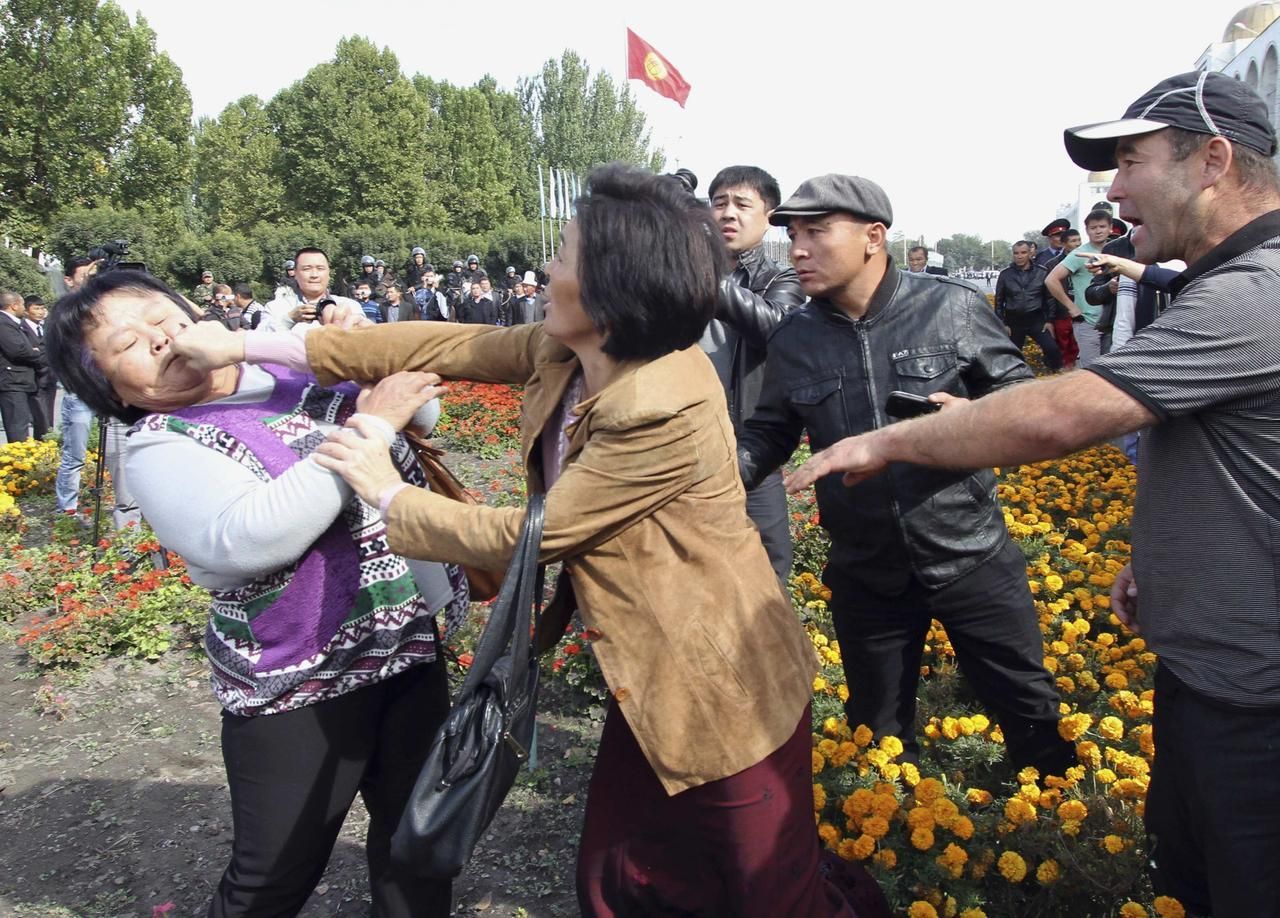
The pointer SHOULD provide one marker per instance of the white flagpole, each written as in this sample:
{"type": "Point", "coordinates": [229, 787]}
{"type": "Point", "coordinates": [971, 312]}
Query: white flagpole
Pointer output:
{"type": "Point", "coordinates": [542, 215]}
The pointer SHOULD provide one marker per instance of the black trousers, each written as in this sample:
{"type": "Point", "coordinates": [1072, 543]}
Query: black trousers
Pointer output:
{"type": "Point", "coordinates": [767, 507]}
{"type": "Point", "coordinates": [992, 624]}
{"type": "Point", "coordinates": [1020, 327]}
{"type": "Point", "coordinates": [293, 776]}
{"type": "Point", "coordinates": [1213, 806]}
{"type": "Point", "coordinates": [15, 414]}
{"type": "Point", "coordinates": [41, 410]}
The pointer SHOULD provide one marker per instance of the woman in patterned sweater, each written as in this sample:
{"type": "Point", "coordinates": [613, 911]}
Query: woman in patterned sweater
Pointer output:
{"type": "Point", "coordinates": [323, 642]}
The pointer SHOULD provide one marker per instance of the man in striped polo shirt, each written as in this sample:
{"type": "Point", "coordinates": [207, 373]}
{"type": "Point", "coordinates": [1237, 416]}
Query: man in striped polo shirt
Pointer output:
{"type": "Point", "coordinates": [1197, 179]}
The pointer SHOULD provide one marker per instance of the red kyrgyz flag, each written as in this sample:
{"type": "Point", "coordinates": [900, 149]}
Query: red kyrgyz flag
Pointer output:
{"type": "Point", "coordinates": [644, 63]}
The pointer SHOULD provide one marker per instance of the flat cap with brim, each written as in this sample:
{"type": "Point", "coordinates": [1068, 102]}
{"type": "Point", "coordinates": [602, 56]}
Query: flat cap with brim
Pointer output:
{"type": "Point", "coordinates": [834, 192]}
{"type": "Point", "coordinates": [1201, 102]}
{"type": "Point", "coordinates": [1056, 228]}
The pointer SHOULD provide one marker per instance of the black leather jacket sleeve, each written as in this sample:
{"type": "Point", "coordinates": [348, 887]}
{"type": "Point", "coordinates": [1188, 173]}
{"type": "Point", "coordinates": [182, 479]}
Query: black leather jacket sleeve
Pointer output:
{"type": "Point", "coordinates": [770, 435]}
{"type": "Point", "coordinates": [1000, 296]}
{"type": "Point", "coordinates": [756, 315]}
{"type": "Point", "coordinates": [991, 360]}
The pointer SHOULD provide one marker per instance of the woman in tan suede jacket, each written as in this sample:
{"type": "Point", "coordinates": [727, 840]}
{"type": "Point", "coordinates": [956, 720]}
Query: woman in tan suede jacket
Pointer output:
{"type": "Point", "coordinates": [701, 799]}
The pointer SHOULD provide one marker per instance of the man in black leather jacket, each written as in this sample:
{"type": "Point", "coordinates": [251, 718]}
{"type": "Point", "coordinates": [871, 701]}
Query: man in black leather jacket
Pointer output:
{"type": "Point", "coordinates": [1024, 305]}
{"type": "Point", "coordinates": [917, 543]}
{"type": "Point", "coordinates": [753, 300]}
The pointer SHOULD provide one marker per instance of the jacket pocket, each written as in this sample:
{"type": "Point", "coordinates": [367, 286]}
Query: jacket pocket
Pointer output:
{"type": "Point", "coordinates": [924, 370]}
{"type": "Point", "coordinates": [820, 403]}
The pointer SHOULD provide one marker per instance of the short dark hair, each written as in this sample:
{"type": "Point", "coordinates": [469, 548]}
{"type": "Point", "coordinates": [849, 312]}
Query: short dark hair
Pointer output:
{"type": "Point", "coordinates": [918, 248]}
{"type": "Point", "coordinates": [243, 290]}
{"type": "Point", "coordinates": [1256, 172]}
{"type": "Point", "coordinates": [649, 262]}
{"type": "Point", "coordinates": [74, 264]}
{"type": "Point", "coordinates": [1097, 216]}
{"type": "Point", "coordinates": [74, 315]}
{"type": "Point", "coordinates": [755, 178]}
{"type": "Point", "coordinates": [1024, 243]}
{"type": "Point", "coordinates": [1068, 234]}
{"type": "Point", "coordinates": [309, 250]}
{"type": "Point", "coordinates": [33, 299]}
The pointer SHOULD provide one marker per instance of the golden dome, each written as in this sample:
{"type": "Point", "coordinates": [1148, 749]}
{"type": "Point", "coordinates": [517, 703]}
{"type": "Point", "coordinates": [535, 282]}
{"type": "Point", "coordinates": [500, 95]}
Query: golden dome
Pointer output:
{"type": "Point", "coordinates": [1252, 20]}
{"type": "Point", "coordinates": [1102, 178]}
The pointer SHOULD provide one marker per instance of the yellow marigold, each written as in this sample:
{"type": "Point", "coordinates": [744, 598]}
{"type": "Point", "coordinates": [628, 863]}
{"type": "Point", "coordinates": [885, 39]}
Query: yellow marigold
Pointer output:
{"type": "Point", "coordinates": [962, 828]}
{"type": "Point", "coordinates": [1019, 811]}
{"type": "Point", "coordinates": [973, 913]}
{"type": "Point", "coordinates": [884, 806]}
{"type": "Point", "coordinates": [847, 849]}
{"type": "Point", "coordinates": [858, 803]}
{"type": "Point", "coordinates": [978, 797]}
{"type": "Point", "coordinates": [944, 812]}
{"type": "Point", "coordinates": [862, 736]}
{"type": "Point", "coordinates": [1104, 775]}
{"type": "Point", "coordinates": [1071, 827]}
{"type": "Point", "coordinates": [1053, 582]}
{"type": "Point", "coordinates": [922, 839]}
{"type": "Point", "coordinates": [829, 834]}
{"type": "Point", "coordinates": [818, 761]}
{"type": "Point", "coordinates": [910, 774]}
{"type": "Point", "coordinates": [1169, 907]}
{"type": "Point", "coordinates": [819, 797]}
{"type": "Point", "coordinates": [1111, 727]}
{"type": "Point", "coordinates": [843, 755]}
{"type": "Point", "coordinates": [1012, 867]}
{"type": "Point", "coordinates": [828, 747]}
{"type": "Point", "coordinates": [1073, 809]}
{"type": "Point", "coordinates": [1048, 873]}
{"type": "Point", "coordinates": [1089, 753]}
{"type": "Point", "coordinates": [980, 723]}
{"type": "Point", "coordinates": [921, 909]}
{"type": "Point", "coordinates": [1073, 726]}
{"type": "Point", "coordinates": [921, 818]}
{"type": "Point", "coordinates": [875, 826]}
{"type": "Point", "coordinates": [886, 858]}
{"type": "Point", "coordinates": [1114, 844]}
{"type": "Point", "coordinates": [842, 692]}
{"type": "Point", "coordinates": [1028, 775]}
{"type": "Point", "coordinates": [952, 860]}
{"type": "Point", "coordinates": [950, 728]}
{"type": "Point", "coordinates": [892, 746]}
{"type": "Point", "coordinates": [1116, 681]}
{"type": "Point", "coordinates": [1132, 910]}
{"type": "Point", "coordinates": [929, 790]}
{"type": "Point", "coordinates": [864, 847]}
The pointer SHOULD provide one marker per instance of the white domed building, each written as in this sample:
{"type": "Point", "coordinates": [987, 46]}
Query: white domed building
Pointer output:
{"type": "Point", "coordinates": [1250, 51]}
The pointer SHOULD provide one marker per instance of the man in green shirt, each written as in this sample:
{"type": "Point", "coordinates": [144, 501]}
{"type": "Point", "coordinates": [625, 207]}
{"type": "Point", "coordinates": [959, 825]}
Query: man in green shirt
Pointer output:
{"type": "Point", "coordinates": [1075, 267]}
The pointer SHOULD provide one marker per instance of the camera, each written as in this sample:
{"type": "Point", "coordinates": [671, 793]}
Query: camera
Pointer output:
{"type": "Point", "coordinates": [686, 179]}
{"type": "Point", "coordinates": [111, 255]}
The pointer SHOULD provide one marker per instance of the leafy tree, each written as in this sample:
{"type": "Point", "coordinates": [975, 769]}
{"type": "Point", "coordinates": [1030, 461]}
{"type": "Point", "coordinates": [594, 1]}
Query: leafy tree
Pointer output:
{"type": "Point", "coordinates": [230, 257]}
{"type": "Point", "coordinates": [515, 132]}
{"type": "Point", "coordinates": [21, 274]}
{"type": "Point", "coordinates": [234, 160]}
{"type": "Point", "coordinates": [89, 113]}
{"type": "Point", "coordinates": [581, 121]}
{"type": "Point", "coordinates": [278, 242]}
{"type": "Point", "coordinates": [473, 172]}
{"type": "Point", "coordinates": [79, 229]}
{"type": "Point", "coordinates": [352, 145]}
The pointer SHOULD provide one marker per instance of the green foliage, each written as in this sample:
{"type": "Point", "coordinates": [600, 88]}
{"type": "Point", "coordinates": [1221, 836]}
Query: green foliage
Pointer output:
{"type": "Point", "coordinates": [351, 140]}
{"type": "Point", "coordinates": [963, 251]}
{"type": "Point", "coordinates": [583, 121]}
{"type": "Point", "coordinates": [21, 274]}
{"type": "Point", "coordinates": [89, 113]}
{"type": "Point", "coordinates": [79, 229]}
{"type": "Point", "coordinates": [230, 257]}
{"type": "Point", "coordinates": [235, 155]}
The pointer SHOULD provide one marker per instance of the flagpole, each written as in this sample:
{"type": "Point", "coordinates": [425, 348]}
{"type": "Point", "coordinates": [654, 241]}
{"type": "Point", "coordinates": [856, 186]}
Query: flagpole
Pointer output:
{"type": "Point", "coordinates": [542, 214]}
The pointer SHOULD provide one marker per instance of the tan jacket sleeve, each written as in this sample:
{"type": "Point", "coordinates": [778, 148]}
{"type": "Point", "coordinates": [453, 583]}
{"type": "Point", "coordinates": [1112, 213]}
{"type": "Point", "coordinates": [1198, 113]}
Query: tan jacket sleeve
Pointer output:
{"type": "Point", "coordinates": [486, 353]}
{"type": "Point", "coordinates": [619, 478]}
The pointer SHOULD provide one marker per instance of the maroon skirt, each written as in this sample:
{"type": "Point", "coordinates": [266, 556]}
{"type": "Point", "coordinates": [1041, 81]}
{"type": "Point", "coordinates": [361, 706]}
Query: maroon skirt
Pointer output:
{"type": "Point", "coordinates": [745, 845]}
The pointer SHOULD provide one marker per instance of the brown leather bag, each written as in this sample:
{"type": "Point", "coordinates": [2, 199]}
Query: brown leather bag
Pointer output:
{"type": "Point", "coordinates": [484, 584]}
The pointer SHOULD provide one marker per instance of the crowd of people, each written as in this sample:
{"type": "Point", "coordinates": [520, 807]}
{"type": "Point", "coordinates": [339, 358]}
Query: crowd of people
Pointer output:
{"type": "Point", "coordinates": [670, 370]}
{"type": "Point", "coordinates": [464, 294]}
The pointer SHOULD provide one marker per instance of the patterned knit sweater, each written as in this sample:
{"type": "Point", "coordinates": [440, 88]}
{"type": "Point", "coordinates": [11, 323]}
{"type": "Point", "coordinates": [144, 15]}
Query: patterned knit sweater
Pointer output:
{"type": "Point", "coordinates": [346, 614]}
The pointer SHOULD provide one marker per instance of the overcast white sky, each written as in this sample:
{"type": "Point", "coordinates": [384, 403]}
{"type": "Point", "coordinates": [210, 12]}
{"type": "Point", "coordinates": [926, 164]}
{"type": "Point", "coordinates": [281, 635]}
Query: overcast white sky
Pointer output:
{"type": "Point", "coordinates": [798, 88]}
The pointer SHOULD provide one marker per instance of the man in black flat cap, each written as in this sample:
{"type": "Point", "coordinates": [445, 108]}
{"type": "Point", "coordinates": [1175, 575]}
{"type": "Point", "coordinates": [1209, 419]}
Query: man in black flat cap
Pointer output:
{"type": "Point", "coordinates": [1197, 181]}
{"type": "Point", "coordinates": [1053, 234]}
{"type": "Point", "coordinates": [919, 544]}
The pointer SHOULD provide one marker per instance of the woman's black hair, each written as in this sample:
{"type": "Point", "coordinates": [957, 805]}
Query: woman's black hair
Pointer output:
{"type": "Point", "coordinates": [649, 262]}
{"type": "Point", "coordinates": [69, 322]}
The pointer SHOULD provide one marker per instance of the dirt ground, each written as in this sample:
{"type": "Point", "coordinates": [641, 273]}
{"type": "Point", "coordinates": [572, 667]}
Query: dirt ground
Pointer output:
{"type": "Point", "coordinates": [113, 800]}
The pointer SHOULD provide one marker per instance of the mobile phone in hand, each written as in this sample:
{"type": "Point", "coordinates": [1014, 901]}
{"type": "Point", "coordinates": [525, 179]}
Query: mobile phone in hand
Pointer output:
{"type": "Point", "coordinates": [903, 405]}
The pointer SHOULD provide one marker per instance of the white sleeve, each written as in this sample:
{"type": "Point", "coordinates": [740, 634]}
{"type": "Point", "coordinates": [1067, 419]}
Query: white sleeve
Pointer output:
{"type": "Point", "coordinates": [230, 526]}
{"type": "Point", "coordinates": [1126, 299]}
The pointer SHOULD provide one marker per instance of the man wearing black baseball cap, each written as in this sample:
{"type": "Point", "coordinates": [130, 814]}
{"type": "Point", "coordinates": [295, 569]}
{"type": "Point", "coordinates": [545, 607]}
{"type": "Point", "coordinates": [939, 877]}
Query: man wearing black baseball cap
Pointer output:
{"type": "Point", "coordinates": [922, 544]}
{"type": "Point", "coordinates": [1197, 182]}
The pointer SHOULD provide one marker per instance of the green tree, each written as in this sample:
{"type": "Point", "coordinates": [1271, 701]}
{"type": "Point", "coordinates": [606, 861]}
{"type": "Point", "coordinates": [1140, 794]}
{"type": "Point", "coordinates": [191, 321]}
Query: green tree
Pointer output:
{"type": "Point", "coordinates": [472, 172]}
{"type": "Point", "coordinates": [235, 156]}
{"type": "Point", "coordinates": [79, 229]}
{"type": "Point", "coordinates": [582, 121]}
{"type": "Point", "coordinates": [352, 146]}
{"type": "Point", "coordinates": [89, 113]}
{"type": "Point", "coordinates": [515, 134]}
{"type": "Point", "coordinates": [230, 257]}
{"type": "Point", "coordinates": [21, 274]}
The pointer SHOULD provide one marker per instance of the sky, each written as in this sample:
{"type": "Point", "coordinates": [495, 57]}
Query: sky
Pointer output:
{"type": "Point", "coordinates": [955, 108]}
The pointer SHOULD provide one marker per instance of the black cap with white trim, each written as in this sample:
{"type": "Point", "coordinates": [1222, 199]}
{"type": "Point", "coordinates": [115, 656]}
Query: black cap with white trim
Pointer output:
{"type": "Point", "coordinates": [1202, 102]}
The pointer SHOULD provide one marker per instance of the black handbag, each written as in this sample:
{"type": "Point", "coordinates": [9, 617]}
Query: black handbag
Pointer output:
{"type": "Point", "coordinates": [485, 739]}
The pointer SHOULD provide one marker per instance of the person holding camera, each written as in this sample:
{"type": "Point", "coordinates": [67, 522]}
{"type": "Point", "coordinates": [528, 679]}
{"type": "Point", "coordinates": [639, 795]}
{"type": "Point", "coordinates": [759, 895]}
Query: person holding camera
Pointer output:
{"type": "Point", "coordinates": [919, 544]}
{"type": "Point", "coordinates": [311, 272]}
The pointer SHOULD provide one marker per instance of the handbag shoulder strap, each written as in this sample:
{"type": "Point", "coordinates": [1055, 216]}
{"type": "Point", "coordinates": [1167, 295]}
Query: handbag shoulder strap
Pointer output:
{"type": "Point", "coordinates": [509, 623]}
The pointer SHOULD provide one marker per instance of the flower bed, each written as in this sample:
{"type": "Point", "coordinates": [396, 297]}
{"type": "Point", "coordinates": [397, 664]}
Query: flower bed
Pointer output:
{"type": "Point", "coordinates": [480, 418]}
